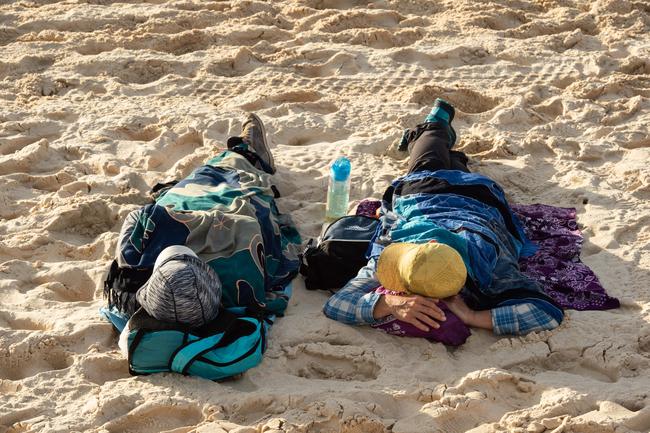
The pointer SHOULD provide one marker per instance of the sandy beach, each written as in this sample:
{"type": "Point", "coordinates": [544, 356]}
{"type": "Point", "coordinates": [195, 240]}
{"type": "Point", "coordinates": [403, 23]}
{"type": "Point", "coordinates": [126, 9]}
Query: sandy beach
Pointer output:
{"type": "Point", "coordinates": [102, 99]}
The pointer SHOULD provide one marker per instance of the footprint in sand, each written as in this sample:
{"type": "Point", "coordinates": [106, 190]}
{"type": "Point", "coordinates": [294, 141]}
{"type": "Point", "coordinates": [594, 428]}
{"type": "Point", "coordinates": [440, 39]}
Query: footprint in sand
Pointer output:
{"type": "Point", "coordinates": [380, 38]}
{"type": "Point", "coordinates": [503, 20]}
{"type": "Point", "coordinates": [480, 397]}
{"type": "Point", "coordinates": [18, 420]}
{"type": "Point", "coordinates": [279, 98]}
{"type": "Point", "coordinates": [23, 321]}
{"type": "Point", "coordinates": [67, 284]}
{"type": "Point", "coordinates": [102, 368]}
{"type": "Point", "coordinates": [26, 64]}
{"type": "Point", "coordinates": [185, 42]}
{"type": "Point", "coordinates": [56, 282]}
{"type": "Point", "coordinates": [590, 364]}
{"type": "Point", "coordinates": [135, 129]}
{"type": "Point", "coordinates": [482, 147]}
{"type": "Point", "coordinates": [614, 88]}
{"type": "Point", "coordinates": [456, 57]}
{"type": "Point", "coordinates": [359, 20]}
{"type": "Point", "coordinates": [251, 35]}
{"type": "Point", "coordinates": [554, 25]}
{"type": "Point", "coordinates": [85, 220]}
{"type": "Point", "coordinates": [635, 66]}
{"type": "Point", "coordinates": [301, 130]}
{"type": "Point", "coordinates": [337, 64]}
{"type": "Point", "coordinates": [38, 157]}
{"type": "Point", "coordinates": [242, 62]}
{"type": "Point", "coordinates": [418, 8]}
{"type": "Point", "coordinates": [157, 417]}
{"type": "Point", "coordinates": [177, 41]}
{"type": "Point", "coordinates": [16, 280]}
{"type": "Point", "coordinates": [464, 99]}
{"type": "Point", "coordinates": [327, 361]}
{"type": "Point", "coordinates": [8, 35]}
{"type": "Point", "coordinates": [27, 360]}
{"type": "Point", "coordinates": [177, 152]}
{"type": "Point", "coordinates": [333, 4]}
{"type": "Point", "coordinates": [16, 135]}
{"type": "Point", "coordinates": [131, 71]}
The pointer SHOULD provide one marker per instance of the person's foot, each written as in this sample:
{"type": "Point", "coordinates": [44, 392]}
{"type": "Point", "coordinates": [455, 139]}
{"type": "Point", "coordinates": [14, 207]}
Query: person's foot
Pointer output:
{"type": "Point", "coordinates": [442, 112]}
{"type": "Point", "coordinates": [254, 135]}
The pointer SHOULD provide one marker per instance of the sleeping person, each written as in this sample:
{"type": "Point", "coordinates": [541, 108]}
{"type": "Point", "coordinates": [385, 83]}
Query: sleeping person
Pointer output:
{"type": "Point", "coordinates": [445, 233]}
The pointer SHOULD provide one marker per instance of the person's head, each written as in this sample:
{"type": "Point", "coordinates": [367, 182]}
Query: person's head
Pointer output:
{"type": "Point", "coordinates": [182, 289]}
{"type": "Point", "coordinates": [432, 269]}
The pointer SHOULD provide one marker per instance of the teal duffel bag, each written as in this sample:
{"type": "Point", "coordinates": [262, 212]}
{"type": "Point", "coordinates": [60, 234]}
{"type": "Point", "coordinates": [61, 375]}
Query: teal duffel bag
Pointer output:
{"type": "Point", "coordinates": [225, 347]}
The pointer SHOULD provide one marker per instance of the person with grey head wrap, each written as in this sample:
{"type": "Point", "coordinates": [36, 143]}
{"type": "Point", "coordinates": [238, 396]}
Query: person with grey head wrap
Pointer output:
{"type": "Point", "coordinates": [182, 289]}
{"type": "Point", "coordinates": [212, 241]}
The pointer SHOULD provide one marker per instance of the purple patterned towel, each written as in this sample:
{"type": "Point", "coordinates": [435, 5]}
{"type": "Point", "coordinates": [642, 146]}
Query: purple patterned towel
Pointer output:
{"type": "Point", "coordinates": [556, 266]}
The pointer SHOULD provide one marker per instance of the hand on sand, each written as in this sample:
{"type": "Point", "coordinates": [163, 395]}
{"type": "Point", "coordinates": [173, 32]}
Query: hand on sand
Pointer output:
{"type": "Point", "coordinates": [478, 319]}
{"type": "Point", "coordinates": [419, 311]}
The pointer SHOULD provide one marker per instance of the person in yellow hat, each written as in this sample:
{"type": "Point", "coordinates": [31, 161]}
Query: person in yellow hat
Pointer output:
{"type": "Point", "coordinates": [421, 274]}
{"type": "Point", "coordinates": [431, 269]}
{"type": "Point", "coordinates": [446, 233]}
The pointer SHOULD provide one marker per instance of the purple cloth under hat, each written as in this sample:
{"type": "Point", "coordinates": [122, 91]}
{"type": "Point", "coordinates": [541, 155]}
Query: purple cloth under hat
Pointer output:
{"type": "Point", "coordinates": [452, 332]}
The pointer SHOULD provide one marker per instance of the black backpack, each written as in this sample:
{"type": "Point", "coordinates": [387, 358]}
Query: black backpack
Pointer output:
{"type": "Point", "coordinates": [338, 254]}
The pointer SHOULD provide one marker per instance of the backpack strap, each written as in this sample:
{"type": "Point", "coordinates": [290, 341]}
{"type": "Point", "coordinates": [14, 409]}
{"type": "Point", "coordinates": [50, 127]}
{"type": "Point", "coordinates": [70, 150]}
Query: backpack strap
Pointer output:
{"type": "Point", "coordinates": [136, 341]}
{"type": "Point", "coordinates": [184, 358]}
{"type": "Point", "coordinates": [260, 343]}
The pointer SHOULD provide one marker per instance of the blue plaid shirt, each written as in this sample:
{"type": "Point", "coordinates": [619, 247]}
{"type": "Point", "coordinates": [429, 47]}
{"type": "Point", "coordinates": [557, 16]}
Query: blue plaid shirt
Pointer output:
{"type": "Point", "coordinates": [355, 303]}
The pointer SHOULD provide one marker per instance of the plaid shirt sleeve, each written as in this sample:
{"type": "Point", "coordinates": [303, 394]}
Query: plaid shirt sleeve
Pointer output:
{"type": "Point", "coordinates": [520, 319]}
{"type": "Point", "coordinates": [355, 302]}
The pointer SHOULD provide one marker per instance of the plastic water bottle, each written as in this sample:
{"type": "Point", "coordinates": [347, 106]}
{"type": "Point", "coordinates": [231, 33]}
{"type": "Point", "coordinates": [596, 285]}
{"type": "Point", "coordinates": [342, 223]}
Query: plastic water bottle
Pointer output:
{"type": "Point", "coordinates": [338, 191]}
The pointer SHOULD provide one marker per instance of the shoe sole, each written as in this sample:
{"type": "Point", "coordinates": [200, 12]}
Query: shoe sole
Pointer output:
{"type": "Point", "coordinates": [265, 141]}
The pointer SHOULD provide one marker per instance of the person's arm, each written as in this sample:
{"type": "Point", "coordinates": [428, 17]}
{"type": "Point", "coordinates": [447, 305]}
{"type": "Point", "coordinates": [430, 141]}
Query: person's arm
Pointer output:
{"type": "Point", "coordinates": [357, 303]}
{"type": "Point", "coordinates": [515, 319]}
{"type": "Point", "coordinates": [520, 319]}
{"type": "Point", "coordinates": [476, 319]}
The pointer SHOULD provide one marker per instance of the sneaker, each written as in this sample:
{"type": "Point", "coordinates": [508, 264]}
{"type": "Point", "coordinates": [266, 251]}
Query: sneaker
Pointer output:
{"type": "Point", "coordinates": [442, 111]}
{"type": "Point", "coordinates": [254, 136]}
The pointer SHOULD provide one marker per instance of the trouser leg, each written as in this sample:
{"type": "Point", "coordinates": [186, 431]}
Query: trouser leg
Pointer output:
{"type": "Point", "coordinates": [429, 150]}
{"type": "Point", "coordinates": [236, 144]}
{"type": "Point", "coordinates": [458, 160]}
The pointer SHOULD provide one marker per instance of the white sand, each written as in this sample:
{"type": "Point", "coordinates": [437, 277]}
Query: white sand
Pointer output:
{"type": "Point", "coordinates": [102, 100]}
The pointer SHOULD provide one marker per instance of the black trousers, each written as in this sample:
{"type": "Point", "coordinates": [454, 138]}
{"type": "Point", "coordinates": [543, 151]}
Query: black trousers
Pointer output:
{"type": "Point", "coordinates": [428, 147]}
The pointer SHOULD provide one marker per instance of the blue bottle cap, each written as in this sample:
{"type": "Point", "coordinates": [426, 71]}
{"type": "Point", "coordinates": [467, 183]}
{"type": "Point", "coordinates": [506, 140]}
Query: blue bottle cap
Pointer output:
{"type": "Point", "coordinates": [341, 168]}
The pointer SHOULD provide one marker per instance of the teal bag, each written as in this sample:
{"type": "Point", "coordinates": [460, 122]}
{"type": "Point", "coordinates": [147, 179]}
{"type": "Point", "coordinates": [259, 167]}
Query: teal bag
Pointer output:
{"type": "Point", "coordinates": [225, 347]}
{"type": "Point", "coordinates": [229, 345]}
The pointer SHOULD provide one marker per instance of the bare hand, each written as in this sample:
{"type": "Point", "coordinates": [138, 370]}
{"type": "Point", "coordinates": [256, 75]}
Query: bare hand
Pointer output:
{"type": "Point", "coordinates": [419, 311]}
{"type": "Point", "coordinates": [460, 309]}
{"type": "Point", "coordinates": [478, 319]}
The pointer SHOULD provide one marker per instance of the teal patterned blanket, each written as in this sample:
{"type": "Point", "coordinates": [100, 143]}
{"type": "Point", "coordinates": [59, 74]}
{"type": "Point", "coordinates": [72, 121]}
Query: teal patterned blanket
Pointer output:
{"type": "Point", "coordinates": [225, 212]}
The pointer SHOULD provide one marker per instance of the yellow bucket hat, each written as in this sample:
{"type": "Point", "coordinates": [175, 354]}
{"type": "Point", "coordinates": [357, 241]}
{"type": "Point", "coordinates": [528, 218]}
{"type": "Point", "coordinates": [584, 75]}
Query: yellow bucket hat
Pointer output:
{"type": "Point", "coordinates": [433, 269]}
